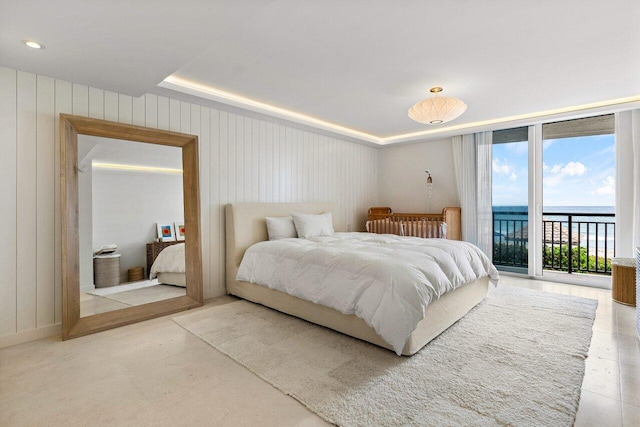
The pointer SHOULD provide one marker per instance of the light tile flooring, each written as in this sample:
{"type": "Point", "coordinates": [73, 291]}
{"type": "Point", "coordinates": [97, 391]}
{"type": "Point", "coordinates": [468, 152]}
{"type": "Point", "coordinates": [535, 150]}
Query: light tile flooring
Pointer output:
{"type": "Point", "coordinates": [611, 387]}
{"type": "Point", "coordinates": [156, 373]}
{"type": "Point", "coordinates": [94, 304]}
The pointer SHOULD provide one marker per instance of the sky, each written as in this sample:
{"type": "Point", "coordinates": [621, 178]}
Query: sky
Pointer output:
{"type": "Point", "coordinates": [576, 172]}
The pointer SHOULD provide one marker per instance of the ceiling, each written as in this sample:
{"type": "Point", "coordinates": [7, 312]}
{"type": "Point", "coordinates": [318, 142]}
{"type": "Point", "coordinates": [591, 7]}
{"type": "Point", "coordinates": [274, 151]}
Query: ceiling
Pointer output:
{"type": "Point", "coordinates": [356, 64]}
{"type": "Point", "coordinates": [133, 154]}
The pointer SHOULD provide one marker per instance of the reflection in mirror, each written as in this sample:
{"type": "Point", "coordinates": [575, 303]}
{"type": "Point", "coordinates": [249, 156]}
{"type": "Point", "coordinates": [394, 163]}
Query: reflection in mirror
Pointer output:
{"type": "Point", "coordinates": [130, 196]}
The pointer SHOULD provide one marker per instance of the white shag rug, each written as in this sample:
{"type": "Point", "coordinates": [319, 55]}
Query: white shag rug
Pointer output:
{"type": "Point", "coordinates": [518, 358]}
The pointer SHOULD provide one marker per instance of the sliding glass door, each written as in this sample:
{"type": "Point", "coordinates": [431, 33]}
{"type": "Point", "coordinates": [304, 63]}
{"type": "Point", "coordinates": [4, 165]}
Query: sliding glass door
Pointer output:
{"type": "Point", "coordinates": [579, 196]}
{"type": "Point", "coordinates": [572, 162]}
{"type": "Point", "coordinates": [510, 200]}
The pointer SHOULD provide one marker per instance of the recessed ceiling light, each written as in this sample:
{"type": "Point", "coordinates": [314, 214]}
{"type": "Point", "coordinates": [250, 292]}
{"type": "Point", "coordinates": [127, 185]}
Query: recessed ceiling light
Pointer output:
{"type": "Point", "coordinates": [33, 44]}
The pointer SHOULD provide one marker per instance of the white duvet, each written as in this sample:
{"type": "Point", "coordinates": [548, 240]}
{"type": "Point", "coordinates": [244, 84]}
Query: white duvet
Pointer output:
{"type": "Point", "coordinates": [169, 260]}
{"type": "Point", "coordinates": [385, 280]}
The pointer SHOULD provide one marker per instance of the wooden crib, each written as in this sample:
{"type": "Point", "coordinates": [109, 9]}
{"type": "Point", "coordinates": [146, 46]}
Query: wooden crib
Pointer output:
{"type": "Point", "coordinates": [447, 225]}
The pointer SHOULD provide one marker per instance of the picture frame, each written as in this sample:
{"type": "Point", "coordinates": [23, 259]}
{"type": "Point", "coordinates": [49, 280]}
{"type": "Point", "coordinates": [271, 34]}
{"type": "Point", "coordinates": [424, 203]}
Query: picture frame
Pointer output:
{"type": "Point", "coordinates": [180, 232]}
{"type": "Point", "coordinates": [166, 231]}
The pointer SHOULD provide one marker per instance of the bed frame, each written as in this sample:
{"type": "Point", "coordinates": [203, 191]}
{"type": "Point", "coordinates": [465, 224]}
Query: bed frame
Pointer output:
{"type": "Point", "coordinates": [245, 226]}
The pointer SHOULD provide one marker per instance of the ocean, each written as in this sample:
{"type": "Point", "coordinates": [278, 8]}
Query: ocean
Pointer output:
{"type": "Point", "coordinates": [590, 213]}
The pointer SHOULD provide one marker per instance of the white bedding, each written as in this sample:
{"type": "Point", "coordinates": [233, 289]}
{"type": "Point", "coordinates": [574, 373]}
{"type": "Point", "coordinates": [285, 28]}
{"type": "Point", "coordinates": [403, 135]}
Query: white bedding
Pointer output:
{"type": "Point", "coordinates": [170, 260]}
{"type": "Point", "coordinates": [385, 280]}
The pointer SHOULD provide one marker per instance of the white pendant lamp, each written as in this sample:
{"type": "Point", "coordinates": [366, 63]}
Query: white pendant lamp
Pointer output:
{"type": "Point", "coordinates": [437, 110]}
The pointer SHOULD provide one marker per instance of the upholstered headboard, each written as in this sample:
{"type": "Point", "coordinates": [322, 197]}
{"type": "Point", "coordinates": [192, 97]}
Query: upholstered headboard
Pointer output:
{"type": "Point", "coordinates": [245, 226]}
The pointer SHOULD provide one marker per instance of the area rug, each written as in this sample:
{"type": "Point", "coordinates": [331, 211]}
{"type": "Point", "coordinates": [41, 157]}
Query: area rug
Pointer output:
{"type": "Point", "coordinates": [518, 358]}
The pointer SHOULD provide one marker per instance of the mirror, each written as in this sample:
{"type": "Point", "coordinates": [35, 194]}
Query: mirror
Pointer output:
{"type": "Point", "coordinates": [125, 189]}
{"type": "Point", "coordinates": [131, 238]}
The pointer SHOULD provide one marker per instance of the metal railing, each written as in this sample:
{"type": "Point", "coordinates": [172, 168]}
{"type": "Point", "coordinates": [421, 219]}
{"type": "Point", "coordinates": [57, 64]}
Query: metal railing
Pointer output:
{"type": "Point", "coordinates": [510, 240]}
{"type": "Point", "coordinates": [572, 242]}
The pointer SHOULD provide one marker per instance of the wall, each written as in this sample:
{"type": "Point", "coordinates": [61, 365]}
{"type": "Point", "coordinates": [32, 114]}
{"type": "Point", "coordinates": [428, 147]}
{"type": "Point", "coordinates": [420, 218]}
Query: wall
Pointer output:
{"type": "Point", "coordinates": [85, 227]}
{"type": "Point", "coordinates": [402, 182]}
{"type": "Point", "coordinates": [126, 207]}
{"type": "Point", "coordinates": [242, 159]}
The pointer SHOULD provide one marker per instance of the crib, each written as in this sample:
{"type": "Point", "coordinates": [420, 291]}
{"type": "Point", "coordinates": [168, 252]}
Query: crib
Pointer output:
{"type": "Point", "coordinates": [382, 220]}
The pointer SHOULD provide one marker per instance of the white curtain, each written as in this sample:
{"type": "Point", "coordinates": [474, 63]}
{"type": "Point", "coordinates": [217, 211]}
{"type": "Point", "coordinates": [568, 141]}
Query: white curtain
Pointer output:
{"type": "Point", "coordinates": [484, 141]}
{"type": "Point", "coordinates": [627, 183]}
{"type": "Point", "coordinates": [472, 161]}
{"type": "Point", "coordinates": [464, 160]}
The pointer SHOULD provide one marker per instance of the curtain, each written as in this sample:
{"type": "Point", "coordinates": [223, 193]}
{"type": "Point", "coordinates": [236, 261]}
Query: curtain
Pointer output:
{"type": "Point", "coordinates": [472, 162]}
{"type": "Point", "coordinates": [484, 142]}
{"type": "Point", "coordinates": [464, 160]}
{"type": "Point", "coordinates": [627, 183]}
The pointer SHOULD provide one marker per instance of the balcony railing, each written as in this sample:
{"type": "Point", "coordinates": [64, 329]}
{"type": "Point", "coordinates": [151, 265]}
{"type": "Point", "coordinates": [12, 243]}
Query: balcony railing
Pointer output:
{"type": "Point", "coordinates": [572, 242]}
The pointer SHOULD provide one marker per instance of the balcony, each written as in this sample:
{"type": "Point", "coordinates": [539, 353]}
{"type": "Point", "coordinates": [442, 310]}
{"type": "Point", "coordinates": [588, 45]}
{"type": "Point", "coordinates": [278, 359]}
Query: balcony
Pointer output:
{"type": "Point", "coordinates": [573, 242]}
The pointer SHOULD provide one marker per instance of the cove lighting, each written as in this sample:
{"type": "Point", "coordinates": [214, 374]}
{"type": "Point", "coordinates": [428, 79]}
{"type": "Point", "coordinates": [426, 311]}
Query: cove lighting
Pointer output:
{"type": "Point", "coordinates": [135, 168]}
{"type": "Point", "coordinates": [197, 89]}
{"type": "Point", "coordinates": [576, 108]}
{"type": "Point", "coordinates": [33, 44]}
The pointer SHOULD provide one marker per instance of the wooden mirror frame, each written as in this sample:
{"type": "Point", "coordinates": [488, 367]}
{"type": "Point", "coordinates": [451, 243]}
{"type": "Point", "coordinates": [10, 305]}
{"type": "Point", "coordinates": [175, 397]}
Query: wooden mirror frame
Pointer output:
{"type": "Point", "coordinates": [72, 324]}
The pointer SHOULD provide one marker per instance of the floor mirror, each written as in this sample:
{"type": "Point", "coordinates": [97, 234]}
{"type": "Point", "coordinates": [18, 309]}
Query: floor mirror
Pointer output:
{"type": "Point", "coordinates": [130, 208]}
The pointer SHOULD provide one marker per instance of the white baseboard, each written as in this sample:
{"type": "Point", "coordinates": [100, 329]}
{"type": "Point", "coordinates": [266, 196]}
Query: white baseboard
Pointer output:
{"type": "Point", "coordinates": [591, 280]}
{"type": "Point", "coordinates": [31, 335]}
{"type": "Point", "coordinates": [87, 288]}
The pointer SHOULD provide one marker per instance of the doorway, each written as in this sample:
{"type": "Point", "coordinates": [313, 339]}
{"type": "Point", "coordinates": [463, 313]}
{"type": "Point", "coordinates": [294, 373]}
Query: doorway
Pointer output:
{"type": "Point", "coordinates": [553, 190]}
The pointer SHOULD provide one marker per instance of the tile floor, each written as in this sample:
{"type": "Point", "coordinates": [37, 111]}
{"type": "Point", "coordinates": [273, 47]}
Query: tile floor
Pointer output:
{"type": "Point", "coordinates": [94, 304]}
{"type": "Point", "coordinates": [156, 373]}
{"type": "Point", "coordinates": [611, 387]}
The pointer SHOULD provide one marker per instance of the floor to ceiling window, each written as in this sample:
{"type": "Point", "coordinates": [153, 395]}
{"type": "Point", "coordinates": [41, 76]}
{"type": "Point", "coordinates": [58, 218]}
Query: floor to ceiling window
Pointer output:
{"type": "Point", "coordinates": [553, 197]}
{"type": "Point", "coordinates": [579, 195]}
{"type": "Point", "coordinates": [510, 180]}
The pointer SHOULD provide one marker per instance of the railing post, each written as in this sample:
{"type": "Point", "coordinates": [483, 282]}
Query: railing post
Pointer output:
{"type": "Point", "coordinates": [570, 233]}
{"type": "Point", "coordinates": [606, 249]}
{"type": "Point", "coordinates": [493, 231]}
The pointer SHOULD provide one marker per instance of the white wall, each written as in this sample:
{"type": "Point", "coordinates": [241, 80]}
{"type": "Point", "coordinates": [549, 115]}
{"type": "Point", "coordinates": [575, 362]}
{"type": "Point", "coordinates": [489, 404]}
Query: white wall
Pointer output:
{"type": "Point", "coordinates": [624, 243]}
{"type": "Point", "coordinates": [242, 159]}
{"type": "Point", "coordinates": [402, 182]}
{"type": "Point", "coordinates": [85, 228]}
{"type": "Point", "coordinates": [126, 207]}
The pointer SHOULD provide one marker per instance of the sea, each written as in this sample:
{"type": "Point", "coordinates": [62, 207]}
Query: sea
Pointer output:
{"type": "Point", "coordinates": [587, 213]}
{"type": "Point", "coordinates": [514, 218]}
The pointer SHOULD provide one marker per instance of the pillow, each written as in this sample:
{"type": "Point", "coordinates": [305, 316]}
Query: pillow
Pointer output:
{"type": "Point", "coordinates": [280, 227]}
{"type": "Point", "coordinates": [309, 225]}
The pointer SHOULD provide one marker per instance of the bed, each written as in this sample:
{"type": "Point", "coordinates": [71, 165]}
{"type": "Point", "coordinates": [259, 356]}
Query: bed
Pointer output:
{"type": "Point", "coordinates": [168, 265]}
{"type": "Point", "coordinates": [245, 226]}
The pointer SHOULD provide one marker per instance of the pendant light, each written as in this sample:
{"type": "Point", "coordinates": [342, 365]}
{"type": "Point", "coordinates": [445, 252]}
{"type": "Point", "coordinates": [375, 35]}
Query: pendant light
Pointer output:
{"type": "Point", "coordinates": [437, 110]}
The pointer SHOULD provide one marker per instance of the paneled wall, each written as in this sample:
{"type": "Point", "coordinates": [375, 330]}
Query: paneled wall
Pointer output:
{"type": "Point", "coordinates": [242, 159]}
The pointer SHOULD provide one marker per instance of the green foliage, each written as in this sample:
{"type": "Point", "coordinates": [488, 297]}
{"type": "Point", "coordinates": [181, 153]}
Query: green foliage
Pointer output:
{"type": "Point", "coordinates": [510, 254]}
{"type": "Point", "coordinates": [556, 258]}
